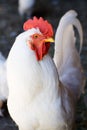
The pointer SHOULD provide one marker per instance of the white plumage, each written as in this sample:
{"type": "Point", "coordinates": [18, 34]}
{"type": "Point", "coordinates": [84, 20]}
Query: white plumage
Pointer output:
{"type": "Point", "coordinates": [42, 94]}
{"type": "Point", "coordinates": [35, 86]}
{"type": "Point", "coordinates": [66, 57]}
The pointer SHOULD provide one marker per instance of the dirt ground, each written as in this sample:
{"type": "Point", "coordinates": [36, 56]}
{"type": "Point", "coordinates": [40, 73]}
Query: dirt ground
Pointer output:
{"type": "Point", "coordinates": [52, 10]}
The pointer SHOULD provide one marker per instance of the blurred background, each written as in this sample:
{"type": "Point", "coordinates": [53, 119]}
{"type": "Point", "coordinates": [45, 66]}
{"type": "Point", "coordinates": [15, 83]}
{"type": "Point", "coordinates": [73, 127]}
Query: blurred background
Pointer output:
{"type": "Point", "coordinates": [12, 16]}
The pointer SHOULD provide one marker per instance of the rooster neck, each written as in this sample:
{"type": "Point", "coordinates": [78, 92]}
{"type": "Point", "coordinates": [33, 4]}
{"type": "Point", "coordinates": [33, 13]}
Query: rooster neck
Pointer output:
{"type": "Point", "coordinates": [49, 72]}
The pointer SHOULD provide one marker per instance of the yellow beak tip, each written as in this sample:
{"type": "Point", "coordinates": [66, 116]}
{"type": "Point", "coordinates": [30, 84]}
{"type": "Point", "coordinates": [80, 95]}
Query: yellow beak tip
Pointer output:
{"type": "Point", "coordinates": [49, 40]}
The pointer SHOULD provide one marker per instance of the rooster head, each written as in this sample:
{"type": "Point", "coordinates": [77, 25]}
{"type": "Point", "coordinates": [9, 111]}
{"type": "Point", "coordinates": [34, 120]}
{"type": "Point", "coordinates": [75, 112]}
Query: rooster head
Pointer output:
{"type": "Point", "coordinates": [39, 42]}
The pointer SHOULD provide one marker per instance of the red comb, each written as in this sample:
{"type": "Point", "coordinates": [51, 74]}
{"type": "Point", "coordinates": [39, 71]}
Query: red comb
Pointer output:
{"type": "Point", "coordinates": [44, 26]}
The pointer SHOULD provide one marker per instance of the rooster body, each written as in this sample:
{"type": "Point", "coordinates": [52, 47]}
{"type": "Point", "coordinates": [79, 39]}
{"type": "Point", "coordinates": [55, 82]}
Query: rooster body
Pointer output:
{"type": "Point", "coordinates": [37, 99]}
{"type": "Point", "coordinates": [40, 94]}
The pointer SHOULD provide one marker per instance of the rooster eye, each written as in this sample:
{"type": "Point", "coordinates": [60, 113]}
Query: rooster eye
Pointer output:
{"type": "Point", "coordinates": [35, 36]}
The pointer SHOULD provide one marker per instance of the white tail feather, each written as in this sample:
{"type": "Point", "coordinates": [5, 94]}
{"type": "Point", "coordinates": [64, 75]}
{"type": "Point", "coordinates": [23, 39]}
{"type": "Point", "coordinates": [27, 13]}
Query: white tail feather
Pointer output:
{"type": "Point", "coordinates": [66, 56]}
{"type": "Point", "coordinates": [68, 19]}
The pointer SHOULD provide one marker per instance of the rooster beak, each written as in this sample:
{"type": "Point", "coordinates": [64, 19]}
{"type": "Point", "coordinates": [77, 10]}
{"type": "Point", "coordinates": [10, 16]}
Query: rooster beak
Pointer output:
{"type": "Point", "coordinates": [49, 40]}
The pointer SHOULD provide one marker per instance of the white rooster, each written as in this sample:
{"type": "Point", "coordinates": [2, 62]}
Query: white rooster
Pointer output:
{"type": "Point", "coordinates": [43, 91]}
